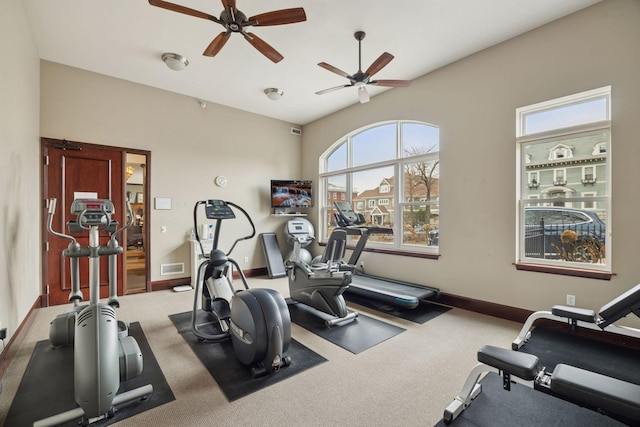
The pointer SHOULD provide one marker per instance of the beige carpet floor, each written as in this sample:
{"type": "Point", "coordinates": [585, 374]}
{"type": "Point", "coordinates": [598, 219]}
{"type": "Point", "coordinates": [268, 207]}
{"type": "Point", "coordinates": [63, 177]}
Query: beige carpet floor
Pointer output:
{"type": "Point", "coordinates": [407, 380]}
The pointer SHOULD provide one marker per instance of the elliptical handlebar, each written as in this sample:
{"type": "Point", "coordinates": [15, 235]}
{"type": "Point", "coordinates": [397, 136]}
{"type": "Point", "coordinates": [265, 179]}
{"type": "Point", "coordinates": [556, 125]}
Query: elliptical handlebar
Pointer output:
{"type": "Point", "coordinates": [88, 217]}
{"type": "Point", "coordinates": [128, 224]}
{"type": "Point", "coordinates": [219, 210]}
{"type": "Point", "coordinates": [253, 227]}
{"type": "Point", "coordinates": [52, 210]}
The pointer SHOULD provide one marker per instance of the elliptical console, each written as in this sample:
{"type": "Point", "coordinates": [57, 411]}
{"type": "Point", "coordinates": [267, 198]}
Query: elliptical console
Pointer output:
{"type": "Point", "coordinates": [256, 320]}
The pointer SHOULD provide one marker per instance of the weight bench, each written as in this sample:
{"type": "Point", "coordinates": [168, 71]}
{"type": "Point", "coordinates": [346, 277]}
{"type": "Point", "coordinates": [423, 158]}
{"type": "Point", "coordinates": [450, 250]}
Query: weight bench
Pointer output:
{"type": "Point", "coordinates": [609, 396]}
{"type": "Point", "coordinates": [627, 303]}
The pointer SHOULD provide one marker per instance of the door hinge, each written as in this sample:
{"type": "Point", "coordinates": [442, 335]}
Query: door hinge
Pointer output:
{"type": "Point", "coordinates": [46, 160]}
{"type": "Point", "coordinates": [46, 246]}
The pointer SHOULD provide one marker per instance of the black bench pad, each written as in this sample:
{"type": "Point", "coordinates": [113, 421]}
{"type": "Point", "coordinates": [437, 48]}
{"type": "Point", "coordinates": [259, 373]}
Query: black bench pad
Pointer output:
{"type": "Point", "coordinates": [522, 365]}
{"type": "Point", "coordinates": [607, 393]}
{"type": "Point", "coordinates": [621, 306]}
{"type": "Point", "coordinates": [582, 314]}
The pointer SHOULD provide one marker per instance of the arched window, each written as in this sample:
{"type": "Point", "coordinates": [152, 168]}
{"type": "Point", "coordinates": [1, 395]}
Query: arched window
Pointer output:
{"type": "Point", "coordinates": [390, 173]}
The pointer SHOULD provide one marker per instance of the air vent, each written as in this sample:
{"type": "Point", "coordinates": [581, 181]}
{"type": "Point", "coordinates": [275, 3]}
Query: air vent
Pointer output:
{"type": "Point", "coordinates": [296, 131]}
{"type": "Point", "coordinates": [175, 268]}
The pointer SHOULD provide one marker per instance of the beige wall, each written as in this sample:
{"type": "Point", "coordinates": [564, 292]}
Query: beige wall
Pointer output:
{"type": "Point", "coordinates": [474, 101]}
{"type": "Point", "coordinates": [189, 145]}
{"type": "Point", "coordinates": [19, 167]}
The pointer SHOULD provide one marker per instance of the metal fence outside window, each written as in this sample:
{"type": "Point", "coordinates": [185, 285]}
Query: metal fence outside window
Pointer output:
{"type": "Point", "coordinates": [545, 240]}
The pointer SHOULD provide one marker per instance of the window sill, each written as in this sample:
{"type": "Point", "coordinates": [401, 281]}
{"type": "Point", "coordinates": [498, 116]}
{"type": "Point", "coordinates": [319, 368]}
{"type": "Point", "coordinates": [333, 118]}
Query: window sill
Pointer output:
{"type": "Point", "coordinates": [575, 272]}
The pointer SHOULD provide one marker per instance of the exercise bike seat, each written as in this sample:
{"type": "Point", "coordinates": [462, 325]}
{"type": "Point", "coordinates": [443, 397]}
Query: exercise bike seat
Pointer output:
{"type": "Point", "coordinates": [331, 259]}
{"type": "Point", "coordinates": [336, 246]}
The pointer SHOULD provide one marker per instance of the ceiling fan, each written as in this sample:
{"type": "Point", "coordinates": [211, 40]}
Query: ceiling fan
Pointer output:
{"type": "Point", "coordinates": [235, 22]}
{"type": "Point", "coordinates": [360, 79]}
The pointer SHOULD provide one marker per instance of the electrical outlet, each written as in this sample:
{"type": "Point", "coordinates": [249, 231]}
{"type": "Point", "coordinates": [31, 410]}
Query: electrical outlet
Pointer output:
{"type": "Point", "coordinates": [246, 260]}
{"type": "Point", "coordinates": [571, 300]}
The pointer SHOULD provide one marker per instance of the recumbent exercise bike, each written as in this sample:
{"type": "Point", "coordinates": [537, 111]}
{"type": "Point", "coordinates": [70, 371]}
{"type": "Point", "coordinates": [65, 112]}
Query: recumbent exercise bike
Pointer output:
{"type": "Point", "coordinates": [320, 285]}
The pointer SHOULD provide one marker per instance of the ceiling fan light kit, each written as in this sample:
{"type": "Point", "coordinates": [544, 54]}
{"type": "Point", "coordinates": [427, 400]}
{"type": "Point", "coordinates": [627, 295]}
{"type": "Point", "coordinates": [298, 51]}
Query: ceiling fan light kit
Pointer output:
{"type": "Point", "coordinates": [174, 61]}
{"type": "Point", "coordinates": [273, 93]}
{"type": "Point", "coordinates": [361, 79]}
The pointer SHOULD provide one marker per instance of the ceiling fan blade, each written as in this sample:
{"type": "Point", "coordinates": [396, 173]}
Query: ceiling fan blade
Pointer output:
{"type": "Point", "coordinates": [230, 4]}
{"type": "Point", "coordinates": [181, 9]}
{"type": "Point", "coordinates": [363, 95]}
{"type": "Point", "coordinates": [217, 44]}
{"type": "Point", "coordinates": [331, 89]}
{"type": "Point", "coordinates": [279, 17]}
{"type": "Point", "coordinates": [379, 64]}
{"type": "Point", "coordinates": [263, 47]}
{"type": "Point", "coordinates": [335, 70]}
{"type": "Point", "coordinates": [391, 83]}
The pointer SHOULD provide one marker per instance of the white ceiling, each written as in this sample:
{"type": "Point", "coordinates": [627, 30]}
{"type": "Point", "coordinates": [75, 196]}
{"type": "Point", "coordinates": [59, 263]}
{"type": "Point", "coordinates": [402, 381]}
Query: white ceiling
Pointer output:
{"type": "Point", "coordinates": [126, 38]}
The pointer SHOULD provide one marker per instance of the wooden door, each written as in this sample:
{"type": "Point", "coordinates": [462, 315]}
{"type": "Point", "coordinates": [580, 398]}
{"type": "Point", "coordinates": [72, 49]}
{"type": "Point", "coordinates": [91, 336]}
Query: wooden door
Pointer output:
{"type": "Point", "coordinates": [70, 168]}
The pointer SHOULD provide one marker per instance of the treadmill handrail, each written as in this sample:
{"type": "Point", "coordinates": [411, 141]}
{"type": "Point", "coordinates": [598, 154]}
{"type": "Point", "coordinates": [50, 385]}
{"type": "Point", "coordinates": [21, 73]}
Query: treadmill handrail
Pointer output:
{"type": "Point", "coordinates": [359, 230]}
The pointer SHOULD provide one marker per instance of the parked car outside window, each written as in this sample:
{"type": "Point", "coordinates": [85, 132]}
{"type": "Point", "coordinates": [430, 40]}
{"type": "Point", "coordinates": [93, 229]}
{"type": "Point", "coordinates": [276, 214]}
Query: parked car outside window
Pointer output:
{"type": "Point", "coordinates": [569, 234]}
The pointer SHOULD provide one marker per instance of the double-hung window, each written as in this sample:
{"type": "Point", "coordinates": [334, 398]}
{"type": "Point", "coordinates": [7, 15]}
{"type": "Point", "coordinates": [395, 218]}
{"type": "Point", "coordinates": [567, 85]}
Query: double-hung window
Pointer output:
{"type": "Point", "coordinates": [564, 183]}
{"type": "Point", "coordinates": [390, 173]}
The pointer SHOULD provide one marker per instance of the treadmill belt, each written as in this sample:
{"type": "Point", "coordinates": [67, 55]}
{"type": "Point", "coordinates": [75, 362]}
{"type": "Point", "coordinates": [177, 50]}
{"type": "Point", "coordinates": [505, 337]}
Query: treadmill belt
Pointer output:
{"type": "Point", "coordinates": [390, 291]}
{"type": "Point", "coordinates": [391, 286]}
{"type": "Point", "coordinates": [421, 314]}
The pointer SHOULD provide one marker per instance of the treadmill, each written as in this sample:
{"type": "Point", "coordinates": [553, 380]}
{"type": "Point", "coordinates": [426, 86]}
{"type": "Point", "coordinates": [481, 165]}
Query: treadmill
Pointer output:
{"type": "Point", "coordinates": [388, 291]}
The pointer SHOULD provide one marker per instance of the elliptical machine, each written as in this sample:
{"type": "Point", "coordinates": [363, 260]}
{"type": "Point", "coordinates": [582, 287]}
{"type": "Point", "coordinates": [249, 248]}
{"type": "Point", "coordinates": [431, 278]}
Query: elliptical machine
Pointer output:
{"type": "Point", "coordinates": [104, 354]}
{"type": "Point", "coordinates": [256, 320]}
{"type": "Point", "coordinates": [320, 285]}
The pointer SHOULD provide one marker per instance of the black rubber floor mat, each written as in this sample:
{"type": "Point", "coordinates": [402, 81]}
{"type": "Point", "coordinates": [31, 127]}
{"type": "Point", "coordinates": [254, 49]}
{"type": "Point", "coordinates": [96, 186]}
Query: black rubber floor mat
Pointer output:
{"type": "Point", "coordinates": [356, 336]}
{"type": "Point", "coordinates": [47, 387]}
{"type": "Point", "coordinates": [524, 407]}
{"type": "Point", "coordinates": [553, 347]}
{"type": "Point", "coordinates": [232, 376]}
{"type": "Point", "coordinates": [421, 314]}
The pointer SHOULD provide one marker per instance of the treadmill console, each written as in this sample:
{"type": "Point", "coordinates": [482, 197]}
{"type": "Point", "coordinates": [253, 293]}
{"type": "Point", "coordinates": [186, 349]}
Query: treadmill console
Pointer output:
{"type": "Point", "coordinates": [346, 215]}
{"type": "Point", "coordinates": [353, 222]}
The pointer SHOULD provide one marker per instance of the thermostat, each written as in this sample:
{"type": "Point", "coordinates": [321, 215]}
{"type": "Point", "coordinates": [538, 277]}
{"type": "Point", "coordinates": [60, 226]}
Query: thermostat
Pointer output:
{"type": "Point", "coordinates": [221, 181]}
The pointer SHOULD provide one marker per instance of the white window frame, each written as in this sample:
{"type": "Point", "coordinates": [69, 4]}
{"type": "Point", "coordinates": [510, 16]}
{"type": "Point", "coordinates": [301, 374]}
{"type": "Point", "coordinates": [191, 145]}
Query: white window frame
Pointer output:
{"type": "Point", "coordinates": [522, 139]}
{"type": "Point", "coordinates": [593, 169]}
{"type": "Point", "coordinates": [397, 201]}
{"type": "Point", "coordinates": [587, 194]}
{"type": "Point", "coordinates": [556, 180]}
{"type": "Point", "coordinates": [597, 149]}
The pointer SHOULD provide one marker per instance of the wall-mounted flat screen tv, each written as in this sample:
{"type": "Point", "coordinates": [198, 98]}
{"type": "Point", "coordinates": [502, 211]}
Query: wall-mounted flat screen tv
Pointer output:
{"type": "Point", "coordinates": [289, 193]}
